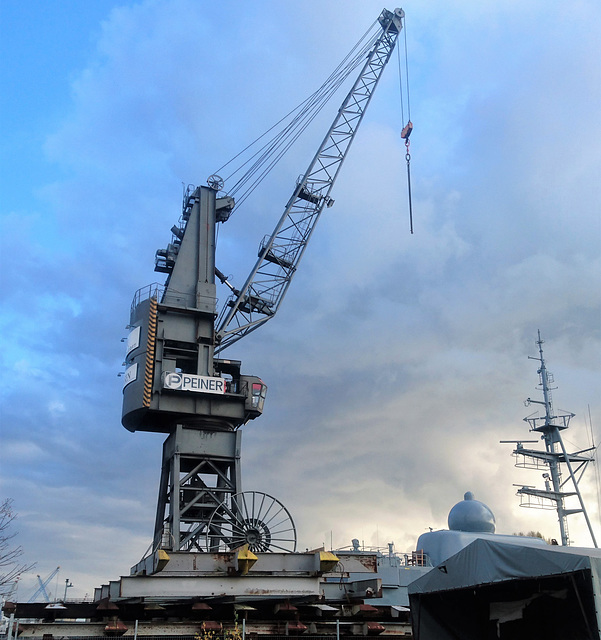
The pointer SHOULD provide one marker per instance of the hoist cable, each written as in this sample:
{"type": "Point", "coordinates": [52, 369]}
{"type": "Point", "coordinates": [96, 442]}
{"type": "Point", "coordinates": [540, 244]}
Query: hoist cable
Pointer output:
{"type": "Point", "coordinates": [407, 71]}
{"type": "Point", "coordinates": [264, 159]}
{"type": "Point", "coordinates": [398, 55]}
{"type": "Point", "coordinates": [307, 100]}
{"type": "Point", "coordinates": [297, 108]}
{"type": "Point", "coordinates": [408, 128]}
{"type": "Point", "coordinates": [279, 144]}
{"type": "Point", "coordinates": [271, 157]}
{"type": "Point", "coordinates": [312, 107]}
{"type": "Point", "coordinates": [282, 145]}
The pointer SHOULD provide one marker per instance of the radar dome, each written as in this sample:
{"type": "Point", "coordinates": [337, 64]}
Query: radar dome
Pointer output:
{"type": "Point", "coordinates": [471, 515]}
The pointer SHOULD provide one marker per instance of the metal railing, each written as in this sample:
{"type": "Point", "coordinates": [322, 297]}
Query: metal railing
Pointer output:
{"type": "Point", "coordinates": [154, 290]}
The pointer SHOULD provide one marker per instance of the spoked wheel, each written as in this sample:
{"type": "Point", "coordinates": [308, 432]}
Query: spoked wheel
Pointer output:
{"type": "Point", "coordinates": [253, 518]}
{"type": "Point", "coordinates": [215, 182]}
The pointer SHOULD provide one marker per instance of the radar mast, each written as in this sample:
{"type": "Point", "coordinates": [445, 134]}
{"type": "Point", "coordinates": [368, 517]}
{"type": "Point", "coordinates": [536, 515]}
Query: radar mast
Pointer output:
{"type": "Point", "coordinates": [561, 470]}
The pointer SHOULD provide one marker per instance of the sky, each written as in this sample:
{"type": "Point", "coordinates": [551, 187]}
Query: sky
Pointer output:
{"type": "Point", "coordinates": [397, 362]}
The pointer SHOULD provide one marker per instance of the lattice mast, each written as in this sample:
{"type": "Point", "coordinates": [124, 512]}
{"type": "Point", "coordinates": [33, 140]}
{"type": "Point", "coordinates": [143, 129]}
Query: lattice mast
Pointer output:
{"type": "Point", "coordinates": [563, 470]}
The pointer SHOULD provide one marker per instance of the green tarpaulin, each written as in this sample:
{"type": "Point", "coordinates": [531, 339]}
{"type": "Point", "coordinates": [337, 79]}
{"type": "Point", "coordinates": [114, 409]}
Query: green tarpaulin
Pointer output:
{"type": "Point", "coordinates": [508, 591]}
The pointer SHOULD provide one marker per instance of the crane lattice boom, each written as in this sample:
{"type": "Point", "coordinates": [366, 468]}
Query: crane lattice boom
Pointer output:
{"type": "Point", "coordinates": [280, 253]}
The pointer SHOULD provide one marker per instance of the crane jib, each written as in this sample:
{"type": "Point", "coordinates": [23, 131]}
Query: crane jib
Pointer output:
{"type": "Point", "coordinates": [280, 254]}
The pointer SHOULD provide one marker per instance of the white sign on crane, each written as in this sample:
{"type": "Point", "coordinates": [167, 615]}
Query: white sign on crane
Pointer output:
{"type": "Point", "coordinates": [191, 382]}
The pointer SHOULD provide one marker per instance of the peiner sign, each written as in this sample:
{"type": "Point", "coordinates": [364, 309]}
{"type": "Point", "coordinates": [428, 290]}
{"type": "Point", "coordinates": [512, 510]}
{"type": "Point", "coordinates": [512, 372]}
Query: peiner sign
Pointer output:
{"type": "Point", "coordinates": [190, 382]}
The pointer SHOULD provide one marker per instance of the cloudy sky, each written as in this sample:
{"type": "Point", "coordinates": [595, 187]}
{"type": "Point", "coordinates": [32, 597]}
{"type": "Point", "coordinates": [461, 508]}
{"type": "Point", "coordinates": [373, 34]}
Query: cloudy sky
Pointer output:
{"type": "Point", "coordinates": [397, 361]}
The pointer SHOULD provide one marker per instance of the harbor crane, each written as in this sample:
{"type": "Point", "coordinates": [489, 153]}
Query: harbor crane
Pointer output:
{"type": "Point", "coordinates": [176, 380]}
{"type": "Point", "coordinates": [42, 586]}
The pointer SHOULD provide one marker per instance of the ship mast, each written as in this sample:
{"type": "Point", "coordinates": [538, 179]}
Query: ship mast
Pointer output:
{"type": "Point", "coordinates": [555, 460]}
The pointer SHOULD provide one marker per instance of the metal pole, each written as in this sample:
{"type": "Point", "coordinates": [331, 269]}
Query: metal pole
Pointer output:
{"type": "Point", "coordinates": [337, 629]}
{"type": "Point", "coordinates": [11, 622]}
{"type": "Point", "coordinates": [575, 482]}
{"type": "Point", "coordinates": [136, 630]}
{"type": "Point", "coordinates": [244, 628]}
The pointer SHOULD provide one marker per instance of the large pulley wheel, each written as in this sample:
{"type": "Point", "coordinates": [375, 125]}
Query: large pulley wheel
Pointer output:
{"type": "Point", "coordinates": [216, 182]}
{"type": "Point", "coordinates": [253, 518]}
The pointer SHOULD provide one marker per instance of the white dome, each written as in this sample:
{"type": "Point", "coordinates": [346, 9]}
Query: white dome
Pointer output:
{"type": "Point", "coordinates": [471, 515]}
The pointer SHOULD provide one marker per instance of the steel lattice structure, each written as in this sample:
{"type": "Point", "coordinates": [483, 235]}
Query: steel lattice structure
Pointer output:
{"type": "Point", "coordinates": [280, 253]}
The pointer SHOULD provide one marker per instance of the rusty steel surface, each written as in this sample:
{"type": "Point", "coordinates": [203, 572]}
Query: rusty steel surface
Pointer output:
{"type": "Point", "coordinates": [213, 586]}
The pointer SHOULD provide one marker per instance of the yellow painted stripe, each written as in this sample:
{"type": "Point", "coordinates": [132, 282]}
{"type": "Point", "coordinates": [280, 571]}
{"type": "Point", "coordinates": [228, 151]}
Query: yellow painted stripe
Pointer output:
{"type": "Point", "coordinates": [150, 343]}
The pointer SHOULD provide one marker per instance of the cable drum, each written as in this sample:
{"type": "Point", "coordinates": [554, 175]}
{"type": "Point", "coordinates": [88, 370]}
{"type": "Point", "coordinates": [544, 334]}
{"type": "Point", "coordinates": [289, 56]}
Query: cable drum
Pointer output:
{"type": "Point", "coordinates": [251, 518]}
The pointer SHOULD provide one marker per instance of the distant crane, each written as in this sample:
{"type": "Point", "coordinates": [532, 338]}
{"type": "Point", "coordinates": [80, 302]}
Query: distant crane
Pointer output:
{"type": "Point", "coordinates": [42, 588]}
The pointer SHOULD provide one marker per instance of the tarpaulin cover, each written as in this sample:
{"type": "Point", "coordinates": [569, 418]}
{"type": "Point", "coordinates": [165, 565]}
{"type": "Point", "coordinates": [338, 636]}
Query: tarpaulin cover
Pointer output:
{"type": "Point", "coordinates": [499, 582]}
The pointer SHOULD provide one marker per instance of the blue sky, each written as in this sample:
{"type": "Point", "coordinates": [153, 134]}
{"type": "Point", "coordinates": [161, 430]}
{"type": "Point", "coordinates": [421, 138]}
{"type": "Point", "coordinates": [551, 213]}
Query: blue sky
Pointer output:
{"type": "Point", "coordinates": [397, 362]}
{"type": "Point", "coordinates": [43, 45]}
